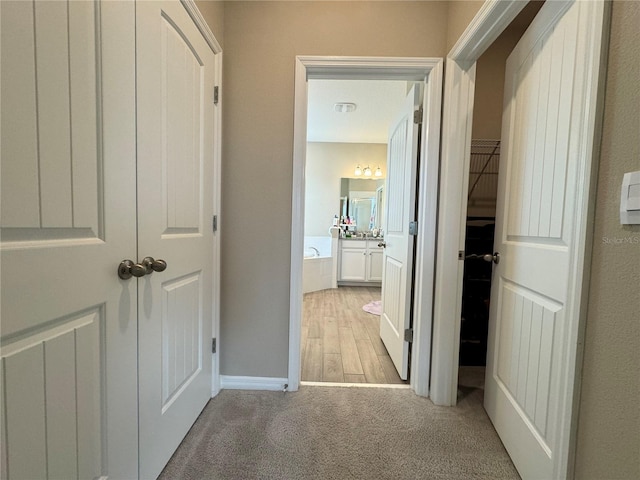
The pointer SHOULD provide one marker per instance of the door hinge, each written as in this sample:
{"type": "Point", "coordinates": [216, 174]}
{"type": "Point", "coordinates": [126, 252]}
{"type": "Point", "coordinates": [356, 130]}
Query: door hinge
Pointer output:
{"type": "Point", "coordinates": [417, 116]}
{"type": "Point", "coordinates": [408, 335]}
{"type": "Point", "coordinates": [213, 345]}
{"type": "Point", "coordinates": [216, 94]}
{"type": "Point", "coordinates": [413, 228]}
{"type": "Point", "coordinates": [215, 223]}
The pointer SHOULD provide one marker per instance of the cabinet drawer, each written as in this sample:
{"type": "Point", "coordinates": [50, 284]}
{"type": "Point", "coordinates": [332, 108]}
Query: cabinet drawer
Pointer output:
{"type": "Point", "coordinates": [349, 244]}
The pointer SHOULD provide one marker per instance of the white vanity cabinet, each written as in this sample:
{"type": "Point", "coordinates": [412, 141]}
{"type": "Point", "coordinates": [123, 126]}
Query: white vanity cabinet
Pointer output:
{"type": "Point", "coordinates": [353, 260]}
{"type": "Point", "coordinates": [374, 261]}
{"type": "Point", "coordinates": [360, 261]}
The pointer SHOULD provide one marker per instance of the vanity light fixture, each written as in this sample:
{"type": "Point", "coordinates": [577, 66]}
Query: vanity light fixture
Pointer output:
{"type": "Point", "coordinates": [378, 172]}
{"type": "Point", "coordinates": [358, 171]}
{"type": "Point", "coordinates": [367, 171]}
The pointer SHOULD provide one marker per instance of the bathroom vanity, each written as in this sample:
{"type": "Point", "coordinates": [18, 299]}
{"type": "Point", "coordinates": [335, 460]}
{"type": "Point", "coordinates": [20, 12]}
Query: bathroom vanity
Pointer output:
{"type": "Point", "coordinates": [359, 261]}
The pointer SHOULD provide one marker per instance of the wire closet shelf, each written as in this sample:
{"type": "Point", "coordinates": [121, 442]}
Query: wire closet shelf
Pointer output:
{"type": "Point", "coordinates": [483, 172]}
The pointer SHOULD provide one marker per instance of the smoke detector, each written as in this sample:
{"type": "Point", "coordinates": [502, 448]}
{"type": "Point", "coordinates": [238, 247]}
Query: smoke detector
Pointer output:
{"type": "Point", "coordinates": [344, 107]}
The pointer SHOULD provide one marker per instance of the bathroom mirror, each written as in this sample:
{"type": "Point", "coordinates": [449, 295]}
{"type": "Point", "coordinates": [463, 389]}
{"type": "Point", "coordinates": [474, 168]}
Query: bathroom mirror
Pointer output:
{"type": "Point", "coordinates": [362, 199]}
{"type": "Point", "coordinates": [362, 211]}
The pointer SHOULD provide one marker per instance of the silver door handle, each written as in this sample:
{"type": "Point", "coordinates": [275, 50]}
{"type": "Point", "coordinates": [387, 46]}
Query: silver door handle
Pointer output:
{"type": "Point", "coordinates": [487, 257]}
{"type": "Point", "coordinates": [153, 265]}
{"type": "Point", "coordinates": [128, 269]}
{"type": "Point", "coordinates": [495, 258]}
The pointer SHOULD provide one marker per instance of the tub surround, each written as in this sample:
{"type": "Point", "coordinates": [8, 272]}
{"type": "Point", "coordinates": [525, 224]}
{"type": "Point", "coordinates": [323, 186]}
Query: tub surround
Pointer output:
{"type": "Point", "coordinates": [320, 264]}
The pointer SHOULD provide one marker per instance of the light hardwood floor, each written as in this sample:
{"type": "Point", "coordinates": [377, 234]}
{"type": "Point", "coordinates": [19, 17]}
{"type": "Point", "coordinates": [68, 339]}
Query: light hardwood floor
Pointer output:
{"type": "Point", "coordinates": [340, 341]}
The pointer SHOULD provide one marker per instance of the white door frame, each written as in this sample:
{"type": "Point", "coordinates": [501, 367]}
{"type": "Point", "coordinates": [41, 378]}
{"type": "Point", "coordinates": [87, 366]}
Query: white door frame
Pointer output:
{"type": "Point", "coordinates": [457, 121]}
{"type": "Point", "coordinates": [493, 17]}
{"type": "Point", "coordinates": [429, 70]}
{"type": "Point", "coordinates": [201, 24]}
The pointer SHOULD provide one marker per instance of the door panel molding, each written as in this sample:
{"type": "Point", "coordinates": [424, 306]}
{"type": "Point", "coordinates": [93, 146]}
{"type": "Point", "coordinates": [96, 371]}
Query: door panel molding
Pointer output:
{"type": "Point", "coordinates": [176, 195]}
{"type": "Point", "coordinates": [51, 151]}
{"type": "Point", "coordinates": [69, 334]}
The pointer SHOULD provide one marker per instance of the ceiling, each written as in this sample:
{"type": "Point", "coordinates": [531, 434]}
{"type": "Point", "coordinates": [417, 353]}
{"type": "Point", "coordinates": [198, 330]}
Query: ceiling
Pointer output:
{"type": "Point", "coordinates": [377, 101]}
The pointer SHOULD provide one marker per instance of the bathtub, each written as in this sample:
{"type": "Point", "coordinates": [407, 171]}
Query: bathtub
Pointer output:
{"type": "Point", "coordinates": [319, 267]}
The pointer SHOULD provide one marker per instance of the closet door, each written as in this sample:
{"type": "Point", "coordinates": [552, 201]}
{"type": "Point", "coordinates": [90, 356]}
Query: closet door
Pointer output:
{"type": "Point", "coordinates": [68, 360]}
{"type": "Point", "coordinates": [175, 78]}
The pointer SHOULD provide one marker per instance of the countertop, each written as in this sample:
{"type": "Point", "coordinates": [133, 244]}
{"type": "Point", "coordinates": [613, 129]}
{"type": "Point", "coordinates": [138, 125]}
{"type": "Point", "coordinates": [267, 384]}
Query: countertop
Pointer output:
{"type": "Point", "coordinates": [362, 238]}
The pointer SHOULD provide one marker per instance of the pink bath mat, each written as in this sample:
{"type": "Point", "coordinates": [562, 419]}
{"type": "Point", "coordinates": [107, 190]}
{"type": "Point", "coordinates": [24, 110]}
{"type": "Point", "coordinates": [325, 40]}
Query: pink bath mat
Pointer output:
{"type": "Point", "coordinates": [374, 307]}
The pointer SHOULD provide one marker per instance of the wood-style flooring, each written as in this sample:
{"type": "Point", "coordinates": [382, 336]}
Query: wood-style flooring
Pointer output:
{"type": "Point", "coordinates": [340, 341]}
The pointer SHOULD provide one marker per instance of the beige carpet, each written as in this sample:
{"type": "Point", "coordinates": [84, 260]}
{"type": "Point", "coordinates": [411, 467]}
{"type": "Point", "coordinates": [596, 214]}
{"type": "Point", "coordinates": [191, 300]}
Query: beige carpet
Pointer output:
{"type": "Point", "coordinates": [341, 433]}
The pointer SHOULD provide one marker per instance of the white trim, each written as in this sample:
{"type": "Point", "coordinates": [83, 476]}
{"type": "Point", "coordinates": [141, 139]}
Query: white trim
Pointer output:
{"type": "Point", "coordinates": [211, 40]}
{"type": "Point", "coordinates": [230, 382]}
{"type": "Point", "coordinates": [586, 231]}
{"type": "Point", "coordinates": [457, 121]}
{"type": "Point", "coordinates": [425, 258]}
{"type": "Point", "coordinates": [491, 20]}
{"type": "Point", "coordinates": [362, 68]}
{"type": "Point", "coordinates": [217, 208]}
{"type": "Point", "coordinates": [454, 181]}
{"type": "Point", "coordinates": [297, 228]}
{"type": "Point", "coordinates": [429, 70]}
{"type": "Point", "coordinates": [198, 19]}
{"type": "Point", "coordinates": [595, 18]}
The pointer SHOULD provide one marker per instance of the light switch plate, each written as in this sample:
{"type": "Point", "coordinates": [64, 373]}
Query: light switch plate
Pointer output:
{"type": "Point", "coordinates": [630, 199]}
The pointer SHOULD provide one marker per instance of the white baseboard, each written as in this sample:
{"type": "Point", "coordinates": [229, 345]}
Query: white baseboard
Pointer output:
{"type": "Point", "coordinates": [252, 383]}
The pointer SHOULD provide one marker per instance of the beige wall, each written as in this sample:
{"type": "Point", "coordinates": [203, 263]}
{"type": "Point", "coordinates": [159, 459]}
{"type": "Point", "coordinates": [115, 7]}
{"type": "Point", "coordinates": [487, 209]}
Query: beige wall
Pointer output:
{"type": "Point", "coordinates": [261, 42]}
{"type": "Point", "coordinates": [327, 163]}
{"type": "Point", "coordinates": [609, 418]}
{"type": "Point", "coordinates": [489, 94]}
{"type": "Point", "coordinates": [213, 13]}
{"type": "Point", "coordinates": [459, 15]}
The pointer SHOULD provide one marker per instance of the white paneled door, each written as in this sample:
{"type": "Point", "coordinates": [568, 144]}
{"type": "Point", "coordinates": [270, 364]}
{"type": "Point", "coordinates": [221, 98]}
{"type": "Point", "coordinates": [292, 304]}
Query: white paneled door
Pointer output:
{"type": "Point", "coordinates": [107, 155]}
{"type": "Point", "coordinates": [550, 91]}
{"type": "Point", "coordinates": [69, 402]}
{"type": "Point", "coordinates": [397, 271]}
{"type": "Point", "coordinates": [175, 76]}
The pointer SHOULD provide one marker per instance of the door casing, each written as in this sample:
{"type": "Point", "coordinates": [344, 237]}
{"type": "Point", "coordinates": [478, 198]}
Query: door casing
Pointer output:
{"type": "Point", "coordinates": [491, 20]}
{"type": "Point", "coordinates": [210, 38]}
{"type": "Point", "coordinates": [430, 71]}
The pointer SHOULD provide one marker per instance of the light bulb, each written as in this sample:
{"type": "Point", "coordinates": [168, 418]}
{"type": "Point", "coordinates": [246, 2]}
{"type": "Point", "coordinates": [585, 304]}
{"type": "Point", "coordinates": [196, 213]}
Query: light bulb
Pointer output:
{"type": "Point", "coordinates": [358, 171]}
{"type": "Point", "coordinates": [378, 172]}
{"type": "Point", "coordinates": [367, 171]}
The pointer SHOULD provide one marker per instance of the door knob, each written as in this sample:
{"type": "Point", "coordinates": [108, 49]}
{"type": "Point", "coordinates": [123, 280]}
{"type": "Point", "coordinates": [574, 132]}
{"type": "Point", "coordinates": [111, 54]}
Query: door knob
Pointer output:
{"type": "Point", "coordinates": [128, 269]}
{"type": "Point", "coordinates": [495, 258]}
{"type": "Point", "coordinates": [382, 244]}
{"type": "Point", "coordinates": [487, 257]}
{"type": "Point", "coordinates": [153, 265]}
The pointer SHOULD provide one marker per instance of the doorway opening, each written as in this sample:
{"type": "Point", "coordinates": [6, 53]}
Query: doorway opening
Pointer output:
{"type": "Point", "coordinates": [481, 200]}
{"type": "Point", "coordinates": [348, 124]}
{"type": "Point", "coordinates": [361, 282]}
